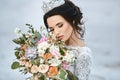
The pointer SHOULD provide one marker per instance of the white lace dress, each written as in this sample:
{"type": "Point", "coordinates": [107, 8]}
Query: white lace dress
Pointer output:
{"type": "Point", "coordinates": [82, 65]}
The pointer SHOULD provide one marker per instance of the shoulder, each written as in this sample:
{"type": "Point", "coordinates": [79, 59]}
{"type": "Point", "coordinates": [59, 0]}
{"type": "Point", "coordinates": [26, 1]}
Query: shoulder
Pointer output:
{"type": "Point", "coordinates": [81, 50]}
{"type": "Point", "coordinates": [84, 52]}
{"type": "Point", "coordinates": [85, 56]}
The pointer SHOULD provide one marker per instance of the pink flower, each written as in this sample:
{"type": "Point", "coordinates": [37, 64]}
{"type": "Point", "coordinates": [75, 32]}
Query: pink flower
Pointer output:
{"type": "Point", "coordinates": [42, 39]}
{"type": "Point", "coordinates": [55, 51]}
{"type": "Point", "coordinates": [65, 65]}
{"type": "Point", "coordinates": [56, 54]}
{"type": "Point", "coordinates": [22, 62]}
{"type": "Point", "coordinates": [23, 58]}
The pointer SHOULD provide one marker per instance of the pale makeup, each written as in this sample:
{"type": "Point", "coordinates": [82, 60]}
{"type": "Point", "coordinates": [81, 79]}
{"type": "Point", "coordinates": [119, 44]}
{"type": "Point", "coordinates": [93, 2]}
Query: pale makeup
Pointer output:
{"type": "Point", "coordinates": [62, 29]}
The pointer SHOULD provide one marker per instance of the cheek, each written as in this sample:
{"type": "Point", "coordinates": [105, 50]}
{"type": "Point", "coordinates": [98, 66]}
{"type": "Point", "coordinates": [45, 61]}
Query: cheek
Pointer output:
{"type": "Point", "coordinates": [67, 32]}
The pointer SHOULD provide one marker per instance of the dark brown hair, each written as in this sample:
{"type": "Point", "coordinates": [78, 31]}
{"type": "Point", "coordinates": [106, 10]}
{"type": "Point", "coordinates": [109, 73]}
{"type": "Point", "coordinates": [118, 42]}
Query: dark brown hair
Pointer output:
{"type": "Point", "coordinates": [71, 13]}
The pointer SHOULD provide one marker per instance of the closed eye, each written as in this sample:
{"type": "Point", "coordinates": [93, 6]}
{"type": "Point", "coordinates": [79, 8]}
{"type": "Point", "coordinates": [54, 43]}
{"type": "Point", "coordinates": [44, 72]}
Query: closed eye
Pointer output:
{"type": "Point", "coordinates": [50, 29]}
{"type": "Point", "coordinates": [60, 25]}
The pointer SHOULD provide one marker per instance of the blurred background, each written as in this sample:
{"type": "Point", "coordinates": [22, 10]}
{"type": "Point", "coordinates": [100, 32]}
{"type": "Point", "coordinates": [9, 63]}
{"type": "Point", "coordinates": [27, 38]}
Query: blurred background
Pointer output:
{"type": "Point", "coordinates": [102, 34]}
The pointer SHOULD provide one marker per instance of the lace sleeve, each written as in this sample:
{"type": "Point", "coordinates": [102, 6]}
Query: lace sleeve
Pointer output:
{"type": "Point", "coordinates": [83, 66]}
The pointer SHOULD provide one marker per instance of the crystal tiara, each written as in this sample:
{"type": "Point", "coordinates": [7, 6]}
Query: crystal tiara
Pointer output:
{"type": "Point", "coordinates": [47, 6]}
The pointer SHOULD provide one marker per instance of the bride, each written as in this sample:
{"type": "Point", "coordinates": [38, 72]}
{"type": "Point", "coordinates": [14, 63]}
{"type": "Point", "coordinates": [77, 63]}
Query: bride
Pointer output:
{"type": "Point", "coordinates": [64, 19]}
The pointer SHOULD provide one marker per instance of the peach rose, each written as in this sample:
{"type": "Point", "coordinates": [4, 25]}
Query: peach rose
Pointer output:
{"type": "Point", "coordinates": [52, 71]}
{"type": "Point", "coordinates": [28, 64]}
{"type": "Point", "coordinates": [43, 68]}
{"type": "Point", "coordinates": [47, 56]}
{"type": "Point", "coordinates": [34, 69]}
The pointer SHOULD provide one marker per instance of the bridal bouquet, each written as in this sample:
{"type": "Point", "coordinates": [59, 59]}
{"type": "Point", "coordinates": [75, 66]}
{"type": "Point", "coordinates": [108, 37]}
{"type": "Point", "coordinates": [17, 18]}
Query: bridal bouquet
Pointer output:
{"type": "Point", "coordinates": [45, 57]}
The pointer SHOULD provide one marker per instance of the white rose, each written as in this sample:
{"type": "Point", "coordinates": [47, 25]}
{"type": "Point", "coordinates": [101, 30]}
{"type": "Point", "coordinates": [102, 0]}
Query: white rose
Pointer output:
{"type": "Point", "coordinates": [53, 48]}
{"type": "Point", "coordinates": [41, 60]}
{"type": "Point", "coordinates": [55, 62]}
{"type": "Point", "coordinates": [43, 68]}
{"type": "Point", "coordinates": [42, 47]}
{"type": "Point", "coordinates": [69, 57]}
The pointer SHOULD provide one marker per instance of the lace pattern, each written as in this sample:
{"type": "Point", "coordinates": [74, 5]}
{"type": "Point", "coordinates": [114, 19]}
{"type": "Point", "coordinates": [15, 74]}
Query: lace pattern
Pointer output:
{"type": "Point", "coordinates": [82, 66]}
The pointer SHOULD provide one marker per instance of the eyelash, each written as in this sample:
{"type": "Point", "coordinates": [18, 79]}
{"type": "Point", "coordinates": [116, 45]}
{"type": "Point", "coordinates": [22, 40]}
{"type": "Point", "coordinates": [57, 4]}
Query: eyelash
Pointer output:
{"type": "Point", "coordinates": [60, 25]}
{"type": "Point", "coordinates": [53, 29]}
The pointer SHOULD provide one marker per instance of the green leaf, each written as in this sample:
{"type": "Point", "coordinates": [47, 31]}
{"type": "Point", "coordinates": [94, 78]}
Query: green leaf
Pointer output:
{"type": "Point", "coordinates": [38, 61]}
{"type": "Point", "coordinates": [15, 65]}
{"type": "Point", "coordinates": [63, 74]}
{"type": "Point", "coordinates": [32, 62]}
{"type": "Point", "coordinates": [24, 37]}
{"type": "Point", "coordinates": [38, 35]}
{"type": "Point", "coordinates": [71, 76]}
{"type": "Point", "coordinates": [31, 42]}
{"type": "Point", "coordinates": [28, 24]}
{"type": "Point", "coordinates": [47, 50]}
{"type": "Point", "coordinates": [31, 28]}
{"type": "Point", "coordinates": [17, 54]}
{"type": "Point", "coordinates": [19, 40]}
{"type": "Point", "coordinates": [16, 41]}
{"type": "Point", "coordinates": [17, 48]}
{"type": "Point", "coordinates": [61, 51]}
{"type": "Point", "coordinates": [42, 77]}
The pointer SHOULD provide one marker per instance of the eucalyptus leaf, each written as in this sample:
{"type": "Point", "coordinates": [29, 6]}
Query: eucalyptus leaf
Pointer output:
{"type": "Point", "coordinates": [15, 65]}
{"type": "Point", "coordinates": [17, 54]}
{"type": "Point", "coordinates": [42, 77]}
{"type": "Point", "coordinates": [24, 37]}
{"type": "Point", "coordinates": [71, 76]}
{"type": "Point", "coordinates": [16, 41]}
{"type": "Point", "coordinates": [61, 51]}
{"type": "Point", "coordinates": [38, 35]}
{"type": "Point", "coordinates": [28, 24]}
{"type": "Point", "coordinates": [32, 40]}
{"type": "Point", "coordinates": [22, 40]}
{"type": "Point", "coordinates": [32, 62]}
{"type": "Point", "coordinates": [32, 30]}
{"type": "Point", "coordinates": [63, 74]}
{"type": "Point", "coordinates": [30, 27]}
{"type": "Point", "coordinates": [19, 41]}
{"type": "Point", "coordinates": [38, 61]}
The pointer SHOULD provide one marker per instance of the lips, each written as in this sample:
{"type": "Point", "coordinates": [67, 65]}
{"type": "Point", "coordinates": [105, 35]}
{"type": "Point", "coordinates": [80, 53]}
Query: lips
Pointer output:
{"type": "Point", "coordinates": [60, 37]}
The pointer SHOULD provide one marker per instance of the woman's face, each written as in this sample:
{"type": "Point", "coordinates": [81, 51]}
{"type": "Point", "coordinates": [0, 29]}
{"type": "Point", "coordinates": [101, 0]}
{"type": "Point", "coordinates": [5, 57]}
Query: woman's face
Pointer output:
{"type": "Point", "coordinates": [60, 27]}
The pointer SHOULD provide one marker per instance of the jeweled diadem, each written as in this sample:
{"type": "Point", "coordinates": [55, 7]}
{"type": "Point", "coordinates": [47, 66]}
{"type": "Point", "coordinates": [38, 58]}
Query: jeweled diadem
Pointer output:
{"type": "Point", "coordinates": [47, 6]}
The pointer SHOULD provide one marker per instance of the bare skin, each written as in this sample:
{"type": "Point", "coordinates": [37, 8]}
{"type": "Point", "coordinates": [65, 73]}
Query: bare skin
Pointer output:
{"type": "Point", "coordinates": [64, 31]}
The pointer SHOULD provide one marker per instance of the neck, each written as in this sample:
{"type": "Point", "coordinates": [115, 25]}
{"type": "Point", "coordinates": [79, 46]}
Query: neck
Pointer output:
{"type": "Point", "coordinates": [74, 40]}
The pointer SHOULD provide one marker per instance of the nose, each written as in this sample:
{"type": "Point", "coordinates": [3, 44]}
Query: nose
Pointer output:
{"type": "Point", "coordinates": [57, 32]}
